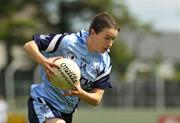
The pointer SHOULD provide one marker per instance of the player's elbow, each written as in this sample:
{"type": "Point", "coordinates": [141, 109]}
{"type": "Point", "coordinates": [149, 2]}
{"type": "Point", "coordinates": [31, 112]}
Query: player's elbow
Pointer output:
{"type": "Point", "coordinates": [28, 46]}
{"type": "Point", "coordinates": [96, 103]}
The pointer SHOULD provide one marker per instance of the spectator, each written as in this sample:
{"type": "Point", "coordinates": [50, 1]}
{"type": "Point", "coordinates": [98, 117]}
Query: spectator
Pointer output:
{"type": "Point", "coordinates": [3, 110]}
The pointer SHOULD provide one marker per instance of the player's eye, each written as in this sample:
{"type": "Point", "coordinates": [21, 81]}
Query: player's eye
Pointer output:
{"type": "Point", "coordinates": [107, 38]}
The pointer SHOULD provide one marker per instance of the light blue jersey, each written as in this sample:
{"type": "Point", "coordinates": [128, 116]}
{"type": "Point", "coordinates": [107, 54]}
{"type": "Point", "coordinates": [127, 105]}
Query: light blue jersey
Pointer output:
{"type": "Point", "coordinates": [95, 68]}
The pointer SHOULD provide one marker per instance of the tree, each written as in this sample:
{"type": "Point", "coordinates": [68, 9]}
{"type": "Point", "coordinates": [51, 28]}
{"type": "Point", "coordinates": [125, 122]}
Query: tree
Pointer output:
{"type": "Point", "coordinates": [20, 19]}
{"type": "Point", "coordinates": [16, 25]}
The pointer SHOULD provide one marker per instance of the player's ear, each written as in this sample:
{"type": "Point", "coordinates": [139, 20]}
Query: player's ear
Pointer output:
{"type": "Point", "coordinates": [93, 32]}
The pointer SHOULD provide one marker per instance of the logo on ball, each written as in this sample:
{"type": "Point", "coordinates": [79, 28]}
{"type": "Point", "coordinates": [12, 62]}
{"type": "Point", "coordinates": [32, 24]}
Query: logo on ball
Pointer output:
{"type": "Point", "coordinates": [68, 74]}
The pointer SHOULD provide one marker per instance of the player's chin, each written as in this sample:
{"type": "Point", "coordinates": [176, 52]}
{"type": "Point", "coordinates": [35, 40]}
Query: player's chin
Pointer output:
{"type": "Point", "coordinates": [103, 50]}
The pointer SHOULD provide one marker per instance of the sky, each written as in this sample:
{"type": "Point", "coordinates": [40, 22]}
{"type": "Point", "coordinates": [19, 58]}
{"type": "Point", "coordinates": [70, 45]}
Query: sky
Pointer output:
{"type": "Point", "coordinates": [164, 14]}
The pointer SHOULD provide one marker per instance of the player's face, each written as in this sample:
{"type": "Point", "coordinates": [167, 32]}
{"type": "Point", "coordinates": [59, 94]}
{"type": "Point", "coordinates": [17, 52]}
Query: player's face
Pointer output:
{"type": "Point", "coordinates": [104, 39]}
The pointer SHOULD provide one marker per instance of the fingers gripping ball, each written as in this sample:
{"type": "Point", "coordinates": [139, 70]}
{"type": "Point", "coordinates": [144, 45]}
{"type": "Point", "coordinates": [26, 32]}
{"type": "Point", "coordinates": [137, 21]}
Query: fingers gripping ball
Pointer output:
{"type": "Point", "coordinates": [68, 74]}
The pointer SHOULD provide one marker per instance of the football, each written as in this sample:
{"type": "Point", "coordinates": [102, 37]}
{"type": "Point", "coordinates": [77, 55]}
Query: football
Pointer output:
{"type": "Point", "coordinates": [67, 75]}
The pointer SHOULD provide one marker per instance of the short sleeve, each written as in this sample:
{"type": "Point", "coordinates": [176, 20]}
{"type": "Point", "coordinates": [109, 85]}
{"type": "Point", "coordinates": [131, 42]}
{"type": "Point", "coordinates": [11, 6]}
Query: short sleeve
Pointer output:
{"type": "Point", "coordinates": [49, 42]}
{"type": "Point", "coordinates": [103, 83]}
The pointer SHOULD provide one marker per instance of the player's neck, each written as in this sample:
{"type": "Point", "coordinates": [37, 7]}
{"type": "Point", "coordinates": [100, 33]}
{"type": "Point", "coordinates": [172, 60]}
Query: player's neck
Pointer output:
{"type": "Point", "coordinates": [90, 44]}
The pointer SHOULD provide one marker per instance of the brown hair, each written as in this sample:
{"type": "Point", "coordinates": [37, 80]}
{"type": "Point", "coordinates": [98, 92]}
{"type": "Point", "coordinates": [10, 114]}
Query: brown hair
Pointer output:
{"type": "Point", "coordinates": [101, 21]}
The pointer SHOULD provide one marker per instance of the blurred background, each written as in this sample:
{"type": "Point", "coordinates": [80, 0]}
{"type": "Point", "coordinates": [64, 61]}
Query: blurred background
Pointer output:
{"type": "Point", "coordinates": [145, 57]}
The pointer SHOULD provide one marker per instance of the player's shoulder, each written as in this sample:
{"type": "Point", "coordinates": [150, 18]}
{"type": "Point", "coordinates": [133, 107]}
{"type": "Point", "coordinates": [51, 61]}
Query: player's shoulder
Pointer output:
{"type": "Point", "coordinates": [82, 34]}
{"type": "Point", "coordinates": [79, 37]}
{"type": "Point", "coordinates": [70, 37]}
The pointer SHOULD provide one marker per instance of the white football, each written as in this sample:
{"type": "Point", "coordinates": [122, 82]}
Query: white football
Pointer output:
{"type": "Point", "coordinates": [68, 74]}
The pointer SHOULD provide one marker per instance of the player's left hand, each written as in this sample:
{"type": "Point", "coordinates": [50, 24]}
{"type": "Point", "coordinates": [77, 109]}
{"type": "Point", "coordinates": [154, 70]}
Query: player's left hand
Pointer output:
{"type": "Point", "coordinates": [75, 91]}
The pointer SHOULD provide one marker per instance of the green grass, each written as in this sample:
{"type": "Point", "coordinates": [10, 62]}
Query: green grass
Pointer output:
{"type": "Point", "coordinates": [117, 115]}
{"type": "Point", "coordinates": [114, 115]}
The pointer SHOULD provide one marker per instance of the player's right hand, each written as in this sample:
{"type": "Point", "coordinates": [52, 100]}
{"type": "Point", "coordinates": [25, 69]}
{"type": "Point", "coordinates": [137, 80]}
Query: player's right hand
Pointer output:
{"type": "Point", "coordinates": [48, 63]}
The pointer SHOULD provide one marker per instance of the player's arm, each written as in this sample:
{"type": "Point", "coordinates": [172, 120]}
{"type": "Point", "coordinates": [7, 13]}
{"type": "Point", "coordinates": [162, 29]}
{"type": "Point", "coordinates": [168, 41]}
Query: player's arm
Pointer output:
{"type": "Point", "coordinates": [32, 49]}
{"type": "Point", "coordinates": [93, 97]}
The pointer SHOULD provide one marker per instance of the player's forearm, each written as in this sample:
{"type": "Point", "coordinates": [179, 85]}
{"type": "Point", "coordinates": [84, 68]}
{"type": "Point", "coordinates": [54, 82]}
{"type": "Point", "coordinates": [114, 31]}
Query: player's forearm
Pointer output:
{"type": "Point", "coordinates": [91, 98]}
{"type": "Point", "coordinates": [32, 49]}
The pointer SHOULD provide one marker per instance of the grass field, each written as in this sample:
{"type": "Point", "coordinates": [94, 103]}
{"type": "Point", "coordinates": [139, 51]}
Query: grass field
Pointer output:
{"type": "Point", "coordinates": [116, 115]}
{"type": "Point", "coordinates": [108, 115]}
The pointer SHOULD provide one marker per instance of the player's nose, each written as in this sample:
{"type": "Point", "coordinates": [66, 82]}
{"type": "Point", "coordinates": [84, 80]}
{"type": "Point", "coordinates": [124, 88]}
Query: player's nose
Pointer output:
{"type": "Point", "coordinates": [109, 44]}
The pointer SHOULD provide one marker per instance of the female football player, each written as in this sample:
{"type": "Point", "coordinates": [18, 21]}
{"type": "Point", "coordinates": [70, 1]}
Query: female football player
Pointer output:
{"type": "Point", "coordinates": [90, 50]}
